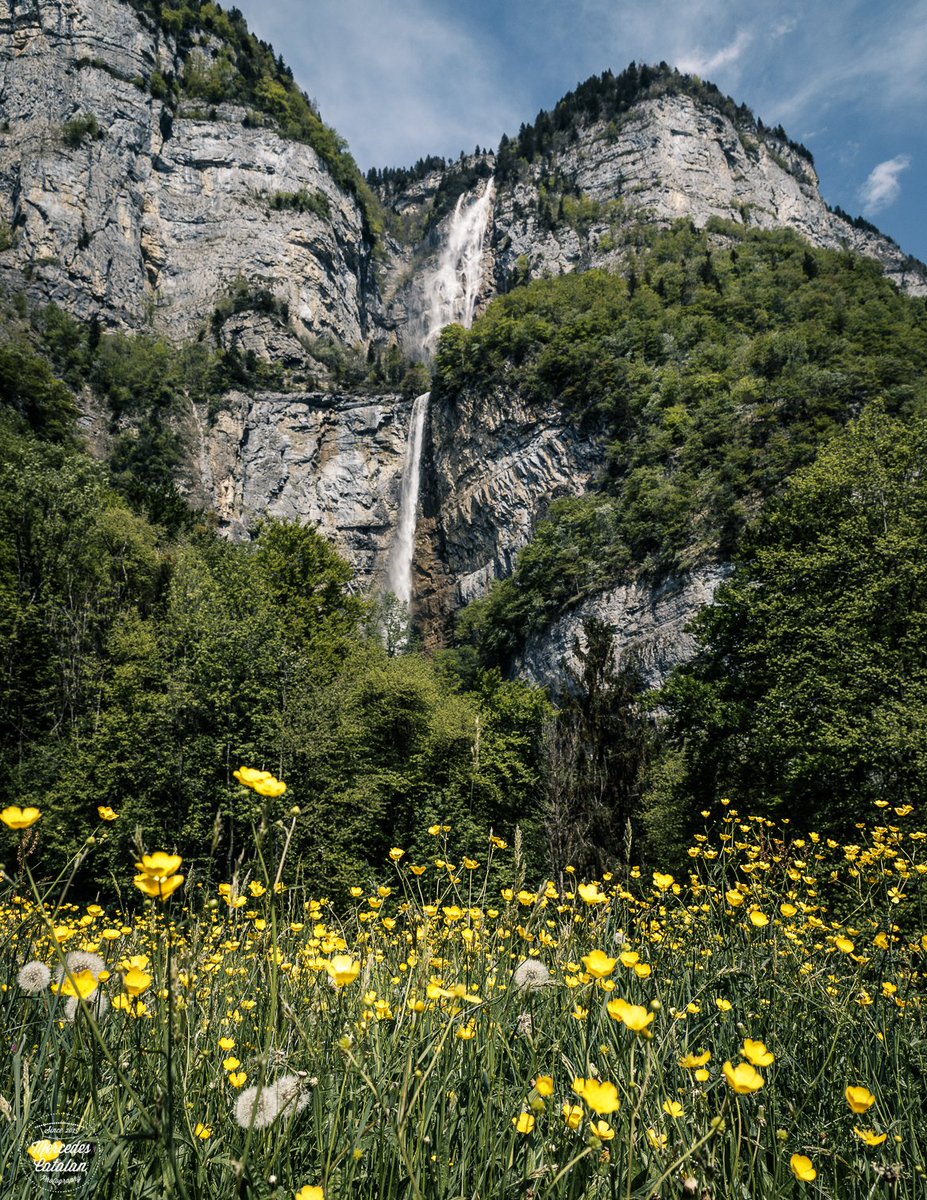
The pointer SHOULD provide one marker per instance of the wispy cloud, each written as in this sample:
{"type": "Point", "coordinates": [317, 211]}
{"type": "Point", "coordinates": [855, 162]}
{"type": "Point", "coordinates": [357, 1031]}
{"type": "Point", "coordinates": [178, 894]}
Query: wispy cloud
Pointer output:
{"type": "Point", "coordinates": [883, 186]}
{"type": "Point", "coordinates": [700, 63]}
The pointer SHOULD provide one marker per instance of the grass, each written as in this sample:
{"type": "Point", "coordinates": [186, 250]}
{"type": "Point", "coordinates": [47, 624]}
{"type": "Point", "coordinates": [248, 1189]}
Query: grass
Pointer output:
{"type": "Point", "coordinates": [407, 1051]}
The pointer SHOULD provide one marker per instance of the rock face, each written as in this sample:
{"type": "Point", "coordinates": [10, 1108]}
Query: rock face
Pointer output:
{"type": "Point", "coordinates": [651, 627]}
{"type": "Point", "coordinates": [326, 460]}
{"type": "Point", "coordinates": [669, 158]}
{"type": "Point", "coordinates": [118, 208]}
{"type": "Point", "coordinates": [493, 466]}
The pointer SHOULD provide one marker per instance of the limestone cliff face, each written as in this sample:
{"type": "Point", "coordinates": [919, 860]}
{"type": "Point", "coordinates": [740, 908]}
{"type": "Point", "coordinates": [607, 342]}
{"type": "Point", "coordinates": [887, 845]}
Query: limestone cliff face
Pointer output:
{"type": "Point", "coordinates": [492, 468]}
{"type": "Point", "coordinates": [145, 217]}
{"type": "Point", "coordinates": [327, 460]}
{"type": "Point", "coordinates": [651, 624]}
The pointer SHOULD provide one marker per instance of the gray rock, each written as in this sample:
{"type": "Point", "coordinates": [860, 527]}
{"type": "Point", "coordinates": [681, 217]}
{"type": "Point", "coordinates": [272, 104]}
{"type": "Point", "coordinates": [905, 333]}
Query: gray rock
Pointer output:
{"type": "Point", "coordinates": [651, 627]}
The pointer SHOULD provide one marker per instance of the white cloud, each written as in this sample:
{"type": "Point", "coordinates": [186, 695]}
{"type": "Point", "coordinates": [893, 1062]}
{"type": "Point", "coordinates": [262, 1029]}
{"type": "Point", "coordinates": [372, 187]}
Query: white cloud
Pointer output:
{"type": "Point", "coordinates": [397, 81]}
{"type": "Point", "coordinates": [883, 185]}
{"type": "Point", "coordinates": [698, 63]}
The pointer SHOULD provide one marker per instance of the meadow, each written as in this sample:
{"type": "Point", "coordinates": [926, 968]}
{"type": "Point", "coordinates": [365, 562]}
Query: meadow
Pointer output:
{"type": "Point", "coordinates": [751, 1027]}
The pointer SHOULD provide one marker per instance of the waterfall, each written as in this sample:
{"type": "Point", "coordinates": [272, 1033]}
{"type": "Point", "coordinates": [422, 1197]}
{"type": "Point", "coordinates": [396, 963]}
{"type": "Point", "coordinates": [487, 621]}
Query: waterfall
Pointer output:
{"type": "Point", "coordinates": [451, 289]}
{"type": "Point", "coordinates": [399, 571]}
{"type": "Point", "coordinates": [450, 292]}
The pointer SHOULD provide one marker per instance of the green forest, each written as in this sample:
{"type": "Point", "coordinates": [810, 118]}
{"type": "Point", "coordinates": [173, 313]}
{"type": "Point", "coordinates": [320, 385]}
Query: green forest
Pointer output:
{"type": "Point", "coordinates": [757, 402]}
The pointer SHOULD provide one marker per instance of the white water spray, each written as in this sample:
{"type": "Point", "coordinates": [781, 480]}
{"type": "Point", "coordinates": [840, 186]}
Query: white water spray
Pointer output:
{"type": "Point", "coordinates": [451, 290]}
{"type": "Point", "coordinates": [399, 570]}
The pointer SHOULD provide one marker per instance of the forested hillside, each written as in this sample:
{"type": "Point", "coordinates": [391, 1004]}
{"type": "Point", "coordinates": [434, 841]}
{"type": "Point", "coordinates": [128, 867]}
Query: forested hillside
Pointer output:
{"type": "Point", "coordinates": [145, 658]}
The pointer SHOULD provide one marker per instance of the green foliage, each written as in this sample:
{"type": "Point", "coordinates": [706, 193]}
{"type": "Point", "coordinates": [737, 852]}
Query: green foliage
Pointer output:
{"type": "Point", "coordinates": [712, 371]}
{"type": "Point", "coordinates": [810, 694]}
{"type": "Point", "coordinates": [30, 389]}
{"type": "Point", "coordinates": [302, 202]}
{"type": "Point", "coordinates": [140, 667]}
{"type": "Point", "coordinates": [80, 128]}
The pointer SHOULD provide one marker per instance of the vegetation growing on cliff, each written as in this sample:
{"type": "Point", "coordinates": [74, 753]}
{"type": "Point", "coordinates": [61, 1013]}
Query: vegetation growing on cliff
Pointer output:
{"type": "Point", "coordinates": [712, 370]}
{"type": "Point", "coordinates": [224, 62]}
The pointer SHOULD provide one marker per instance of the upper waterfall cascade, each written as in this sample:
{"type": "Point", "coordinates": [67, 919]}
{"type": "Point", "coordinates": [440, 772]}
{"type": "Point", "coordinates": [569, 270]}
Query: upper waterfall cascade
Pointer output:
{"type": "Point", "coordinates": [450, 291]}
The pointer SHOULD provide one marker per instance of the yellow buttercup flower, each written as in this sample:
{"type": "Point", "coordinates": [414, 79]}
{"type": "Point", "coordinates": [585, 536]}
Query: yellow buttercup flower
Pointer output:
{"type": "Point", "coordinates": [844, 944]}
{"type": "Point", "coordinates": [544, 1085]}
{"type": "Point", "coordinates": [634, 1016]}
{"type": "Point", "coordinates": [81, 985]}
{"type": "Point", "coordinates": [573, 1115]}
{"type": "Point", "coordinates": [601, 1096]}
{"type": "Point", "coordinates": [757, 1053]}
{"type": "Point", "coordinates": [19, 818]}
{"type": "Point", "coordinates": [673, 1108]}
{"type": "Point", "coordinates": [757, 918]}
{"type": "Point", "coordinates": [663, 882]}
{"type": "Point", "coordinates": [524, 1123]}
{"type": "Point", "coordinates": [602, 1130]}
{"type": "Point", "coordinates": [106, 813]}
{"type": "Point", "coordinates": [136, 982]}
{"type": "Point", "coordinates": [263, 782]}
{"type": "Point", "coordinates": [803, 1168]}
{"type": "Point", "coordinates": [396, 854]}
{"type": "Point", "coordinates": [159, 865]}
{"type": "Point", "coordinates": [310, 1193]}
{"type": "Point", "coordinates": [743, 1078]}
{"type": "Point", "coordinates": [44, 1151]}
{"type": "Point", "coordinates": [157, 888]}
{"type": "Point", "coordinates": [237, 1078]}
{"type": "Point", "coordinates": [598, 964]}
{"type": "Point", "coordinates": [591, 894]}
{"type": "Point", "coordinates": [691, 1061]}
{"type": "Point", "coordinates": [342, 970]}
{"type": "Point", "coordinates": [657, 1140]}
{"type": "Point", "coordinates": [202, 1131]}
{"type": "Point", "coordinates": [723, 1005]}
{"type": "Point", "coordinates": [870, 1137]}
{"type": "Point", "coordinates": [860, 1099]}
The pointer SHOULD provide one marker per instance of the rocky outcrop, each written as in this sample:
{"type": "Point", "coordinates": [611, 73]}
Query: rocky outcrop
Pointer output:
{"type": "Point", "coordinates": [331, 461]}
{"type": "Point", "coordinates": [651, 626]}
{"type": "Point", "coordinates": [493, 464]}
{"type": "Point", "coordinates": [116, 206]}
{"type": "Point", "coordinates": [669, 158]}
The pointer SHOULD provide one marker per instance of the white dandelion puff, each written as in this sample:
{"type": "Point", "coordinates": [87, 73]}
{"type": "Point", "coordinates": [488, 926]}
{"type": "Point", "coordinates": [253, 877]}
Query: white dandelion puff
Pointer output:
{"type": "Point", "coordinates": [85, 960]}
{"type": "Point", "coordinates": [259, 1107]}
{"type": "Point", "coordinates": [525, 1024]}
{"type": "Point", "coordinates": [34, 977]}
{"type": "Point", "coordinates": [530, 975]}
{"type": "Point", "coordinates": [96, 1000]}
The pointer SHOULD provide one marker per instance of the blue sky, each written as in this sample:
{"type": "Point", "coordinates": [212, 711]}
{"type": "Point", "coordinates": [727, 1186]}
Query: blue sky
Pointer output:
{"type": "Point", "coordinates": [406, 78]}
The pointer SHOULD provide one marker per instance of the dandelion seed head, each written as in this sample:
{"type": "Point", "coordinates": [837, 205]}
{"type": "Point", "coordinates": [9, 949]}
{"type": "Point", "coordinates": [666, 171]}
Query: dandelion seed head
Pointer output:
{"type": "Point", "coordinates": [80, 960]}
{"type": "Point", "coordinates": [260, 1107]}
{"type": "Point", "coordinates": [530, 975]}
{"type": "Point", "coordinates": [34, 977]}
{"type": "Point", "coordinates": [97, 1001]}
